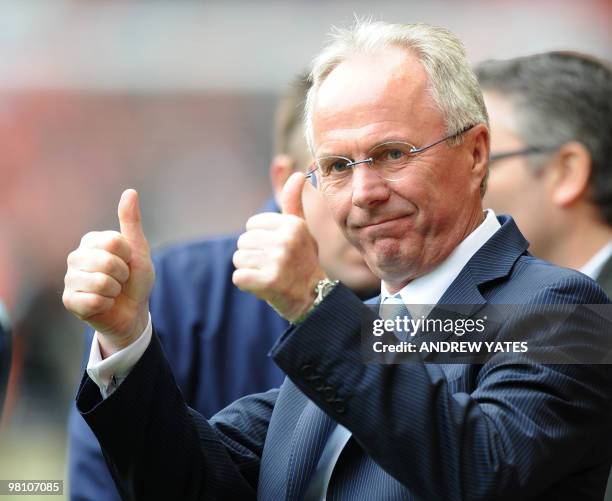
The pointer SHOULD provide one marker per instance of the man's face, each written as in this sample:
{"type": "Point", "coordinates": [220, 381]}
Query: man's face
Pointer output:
{"type": "Point", "coordinates": [337, 256]}
{"type": "Point", "coordinates": [403, 228]}
{"type": "Point", "coordinates": [514, 187]}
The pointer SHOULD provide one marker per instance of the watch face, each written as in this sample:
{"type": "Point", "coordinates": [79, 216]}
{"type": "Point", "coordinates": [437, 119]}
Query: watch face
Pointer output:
{"type": "Point", "coordinates": [328, 287]}
{"type": "Point", "coordinates": [324, 287]}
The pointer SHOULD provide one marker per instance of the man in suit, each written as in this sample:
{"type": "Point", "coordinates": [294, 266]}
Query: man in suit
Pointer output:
{"type": "Point", "coordinates": [398, 128]}
{"type": "Point", "coordinates": [5, 355]}
{"type": "Point", "coordinates": [551, 116]}
{"type": "Point", "coordinates": [215, 336]}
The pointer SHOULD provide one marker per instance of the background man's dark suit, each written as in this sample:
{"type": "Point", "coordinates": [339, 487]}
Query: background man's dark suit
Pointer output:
{"type": "Point", "coordinates": [604, 279]}
{"type": "Point", "coordinates": [215, 337]}
{"type": "Point", "coordinates": [419, 430]}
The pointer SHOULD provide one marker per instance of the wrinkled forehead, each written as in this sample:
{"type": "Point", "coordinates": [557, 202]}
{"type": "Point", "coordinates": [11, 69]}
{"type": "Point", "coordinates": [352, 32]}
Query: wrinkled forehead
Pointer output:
{"type": "Point", "coordinates": [369, 74]}
{"type": "Point", "coordinates": [373, 93]}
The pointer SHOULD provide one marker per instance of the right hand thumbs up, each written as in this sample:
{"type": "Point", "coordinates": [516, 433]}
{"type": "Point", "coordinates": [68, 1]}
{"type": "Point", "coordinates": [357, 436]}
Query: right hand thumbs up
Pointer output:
{"type": "Point", "coordinates": [110, 277]}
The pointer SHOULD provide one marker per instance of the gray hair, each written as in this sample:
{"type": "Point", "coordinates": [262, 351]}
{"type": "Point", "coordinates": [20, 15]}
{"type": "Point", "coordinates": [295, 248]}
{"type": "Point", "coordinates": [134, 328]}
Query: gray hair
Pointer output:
{"type": "Point", "coordinates": [559, 97]}
{"type": "Point", "coordinates": [452, 83]}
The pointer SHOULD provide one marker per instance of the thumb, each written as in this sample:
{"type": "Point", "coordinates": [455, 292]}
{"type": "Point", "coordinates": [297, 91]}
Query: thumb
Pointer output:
{"type": "Point", "coordinates": [130, 222]}
{"type": "Point", "coordinates": [291, 196]}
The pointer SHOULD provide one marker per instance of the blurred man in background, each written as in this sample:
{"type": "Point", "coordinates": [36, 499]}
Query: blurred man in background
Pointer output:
{"type": "Point", "coordinates": [551, 157]}
{"type": "Point", "coordinates": [215, 336]}
{"type": "Point", "coordinates": [5, 355]}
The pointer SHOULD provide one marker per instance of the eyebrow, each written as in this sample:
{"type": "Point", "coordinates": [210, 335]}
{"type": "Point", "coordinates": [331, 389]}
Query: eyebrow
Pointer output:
{"type": "Point", "coordinates": [389, 139]}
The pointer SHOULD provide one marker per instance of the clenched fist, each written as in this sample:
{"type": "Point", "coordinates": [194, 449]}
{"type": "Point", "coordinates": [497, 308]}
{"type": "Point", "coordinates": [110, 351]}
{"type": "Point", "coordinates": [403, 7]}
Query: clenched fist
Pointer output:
{"type": "Point", "coordinates": [110, 277]}
{"type": "Point", "coordinates": [277, 257]}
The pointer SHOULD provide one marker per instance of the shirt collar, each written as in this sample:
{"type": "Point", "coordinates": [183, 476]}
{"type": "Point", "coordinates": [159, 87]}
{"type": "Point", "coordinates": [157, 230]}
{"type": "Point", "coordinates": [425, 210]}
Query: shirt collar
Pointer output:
{"type": "Point", "coordinates": [593, 266]}
{"type": "Point", "coordinates": [429, 288]}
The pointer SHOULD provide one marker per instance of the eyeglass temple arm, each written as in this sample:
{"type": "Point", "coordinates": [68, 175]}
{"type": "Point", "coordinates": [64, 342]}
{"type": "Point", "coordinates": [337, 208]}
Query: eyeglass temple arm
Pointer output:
{"type": "Point", "coordinates": [425, 148]}
{"type": "Point", "coordinates": [526, 151]}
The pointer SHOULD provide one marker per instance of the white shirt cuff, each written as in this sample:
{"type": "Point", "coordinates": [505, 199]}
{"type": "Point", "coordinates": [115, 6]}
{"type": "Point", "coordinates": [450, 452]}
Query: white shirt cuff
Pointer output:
{"type": "Point", "coordinates": [109, 373]}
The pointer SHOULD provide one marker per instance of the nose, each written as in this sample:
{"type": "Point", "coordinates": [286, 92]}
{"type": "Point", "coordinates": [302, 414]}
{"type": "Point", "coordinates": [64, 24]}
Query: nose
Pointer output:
{"type": "Point", "coordinates": [369, 189]}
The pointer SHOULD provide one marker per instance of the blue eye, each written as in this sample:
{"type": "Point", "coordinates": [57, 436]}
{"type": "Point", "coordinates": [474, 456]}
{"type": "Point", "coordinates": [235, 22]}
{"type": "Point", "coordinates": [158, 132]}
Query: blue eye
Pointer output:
{"type": "Point", "coordinates": [339, 166]}
{"type": "Point", "coordinates": [395, 154]}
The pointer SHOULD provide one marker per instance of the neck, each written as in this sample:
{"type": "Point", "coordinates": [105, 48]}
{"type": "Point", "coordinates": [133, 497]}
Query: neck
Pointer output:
{"type": "Point", "coordinates": [579, 245]}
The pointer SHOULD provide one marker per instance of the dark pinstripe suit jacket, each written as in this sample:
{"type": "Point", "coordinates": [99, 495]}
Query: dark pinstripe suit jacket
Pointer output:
{"type": "Point", "coordinates": [499, 430]}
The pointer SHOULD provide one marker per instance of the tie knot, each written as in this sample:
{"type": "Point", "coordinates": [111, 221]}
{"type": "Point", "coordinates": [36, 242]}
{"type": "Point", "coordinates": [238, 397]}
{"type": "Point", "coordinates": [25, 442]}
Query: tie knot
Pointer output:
{"type": "Point", "coordinates": [392, 307]}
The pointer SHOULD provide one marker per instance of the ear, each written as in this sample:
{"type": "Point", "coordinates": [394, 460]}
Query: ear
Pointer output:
{"type": "Point", "coordinates": [480, 144]}
{"type": "Point", "coordinates": [280, 170]}
{"type": "Point", "coordinates": [573, 171]}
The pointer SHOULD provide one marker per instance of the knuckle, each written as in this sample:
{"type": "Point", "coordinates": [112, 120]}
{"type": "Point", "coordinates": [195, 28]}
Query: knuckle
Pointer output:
{"type": "Point", "coordinates": [279, 254]}
{"type": "Point", "coordinates": [238, 279]}
{"type": "Point", "coordinates": [107, 263]}
{"type": "Point", "coordinates": [90, 238]}
{"type": "Point", "coordinates": [274, 276]}
{"type": "Point", "coordinates": [242, 240]}
{"type": "Point", "coordinates": [284, 237]}
{"type": "Point", "coordinates": [103, 282]}
{"type": "Point", "coordinates": [238, 259]}
{"type": "Point", "coordinates": [113, 240]}
{"type": "Point", "coordinates": [251, 222]}
{"type": "Point", "coordinates": [96, 303]}
{"type": "Point", "coordinates": [123, 273]}
{"type": "Point", "coordinates": [67, 299]}
{"type": "Point", "coordinates": [72, 258]}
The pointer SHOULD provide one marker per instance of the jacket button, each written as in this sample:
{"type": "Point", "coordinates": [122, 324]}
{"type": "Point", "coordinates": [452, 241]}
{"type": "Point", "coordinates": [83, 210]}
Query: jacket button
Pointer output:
{"type": "Point", "coordinates": [307, 370]}
{"type": "Point", "coordinates": [329, 393]}
{"type": "Point", "coordinates": [340, 407]}
{"type": "Point", "coordinates": [318, 382]}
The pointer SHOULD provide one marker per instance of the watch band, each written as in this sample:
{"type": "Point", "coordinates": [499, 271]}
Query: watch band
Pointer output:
{"type": "Point", "coordinates": [323, 288]}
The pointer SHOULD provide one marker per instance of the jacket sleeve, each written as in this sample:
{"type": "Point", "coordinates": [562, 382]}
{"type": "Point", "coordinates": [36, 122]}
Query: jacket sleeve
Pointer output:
{"type": "Point", "coordinates": [88, 474]}
{"type": "Point", "coordinates": [519, 428]}
{"type": "Point", "coordinates": [158, 448]}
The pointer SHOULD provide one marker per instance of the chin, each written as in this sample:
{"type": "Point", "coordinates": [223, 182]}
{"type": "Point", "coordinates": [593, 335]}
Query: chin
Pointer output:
{"type": "Point", "coordinates": [385, 250]}
{"type": "Point", "coordinates": [389, 263]}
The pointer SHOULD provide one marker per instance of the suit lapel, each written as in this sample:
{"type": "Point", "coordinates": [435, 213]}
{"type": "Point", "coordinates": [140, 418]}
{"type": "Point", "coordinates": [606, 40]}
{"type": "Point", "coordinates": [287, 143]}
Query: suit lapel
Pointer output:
{"type": "Point", "coordinates": [493, 261]}
{"type": "Point", "coordinates": [309, 438]}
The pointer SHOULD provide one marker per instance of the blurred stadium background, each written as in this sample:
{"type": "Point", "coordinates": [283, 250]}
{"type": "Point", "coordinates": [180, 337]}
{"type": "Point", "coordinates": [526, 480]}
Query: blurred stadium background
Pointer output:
{"type": "Point", "coordinates": [176, 99]}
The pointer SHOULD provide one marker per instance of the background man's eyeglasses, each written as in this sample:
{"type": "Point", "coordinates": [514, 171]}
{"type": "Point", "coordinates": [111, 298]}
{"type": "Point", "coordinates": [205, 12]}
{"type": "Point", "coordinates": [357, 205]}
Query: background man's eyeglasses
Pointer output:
{"type": "Point", "coordinates": [532, 150]}
{"type": "Point", "coordinates": [388, 160]}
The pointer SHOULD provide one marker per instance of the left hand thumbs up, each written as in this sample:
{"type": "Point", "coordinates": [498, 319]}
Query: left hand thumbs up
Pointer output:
{"type": "Point", "coordinates": [277, 258]}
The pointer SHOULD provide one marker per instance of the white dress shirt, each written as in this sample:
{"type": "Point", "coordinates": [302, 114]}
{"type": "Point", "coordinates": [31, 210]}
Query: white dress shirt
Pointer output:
{"type": "Point", "coordinates": [592, 268]}
{"type": "Point", "coordinates": [108, 373]}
